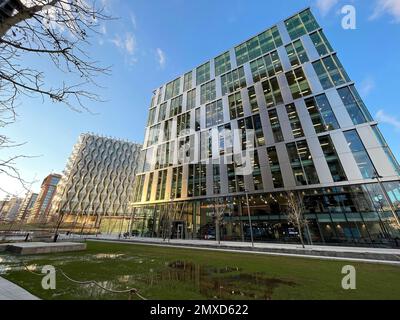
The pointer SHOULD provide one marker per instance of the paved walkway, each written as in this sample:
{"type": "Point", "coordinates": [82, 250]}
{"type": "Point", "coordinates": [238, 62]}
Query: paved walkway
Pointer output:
{"type": "Point", "coordinates": [10, 291]}
{"type": "Point", "coordinates": [361, 254]}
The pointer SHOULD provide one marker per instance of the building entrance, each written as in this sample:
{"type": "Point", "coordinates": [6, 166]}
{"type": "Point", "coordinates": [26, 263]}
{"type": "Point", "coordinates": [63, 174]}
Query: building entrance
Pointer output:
{"type": "Point", "coordinates": [178, 230]}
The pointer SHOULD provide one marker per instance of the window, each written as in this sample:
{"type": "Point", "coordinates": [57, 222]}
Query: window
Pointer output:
{"type": "Point", "coordinates": [360, 154]}
{"type": "Point", "coordinates": [296, 53]}
{"type": "Point", "coordinates": [172, 89]}
{"type": "Point", "coordinates": [235, 181]}
{"type": "Point", "coordinates": [272, 92]}
{"type": "Point", "coordinates": [183, 124]}
{"type": "Point", "coordinates": [138, 188]}
{"type": "Point", "coordinates": [294, 120]}
{"type": "Point", "coordinates": [257, 126]}
{"type": "Point", "coordinates": [176, 106]}
{"type": "Point", "coordinates": [302, 163]}
{"type": "Point", "coordinates": [222, 63]}
{"type": "Point", "coordinates": [186, 149]}
{"type": "Point", "coordinates": [301, 24]}
{"type": "Point", "coordinates": [261, 44]}
{"type": "Point", "coordinates": [206, 144]}
{"type": "Point", "coordinates": [233, 81]}
{"type": "Point", "coordinates": [216, 179]}
{"type": "Point", "coordinates": [355, 106]}
{"type": "Point", "coordinates": [176, 186]}
{"type": "Point", "coordinates": [149, 186]}
{"type": "Point", "coordinates": [275, 168]}
{"type": "Point", "coordinates": [257, 177]}
{"type": "Point", "coordinates": [251, 123]}
{"type": "Point", "coordinates": [197, 180]}
{"type": "Point", "coordinates": [161, 184]}
{"type": "Point", "coordinates": [214, 114]}
{"type": "Point", "coordinates": [159, 95]}
{"type": "Point", "coordinates": [154, 132]}
{"type": "Point", "coordinates": [235, 106]}
{"type": "Point", "coordinates": [148, 159]}
{"type": "Point", "coordinates": [164, 156]}
{"type": "Point", "coordinates": [253, 100]}
{"type": "Point", "coordinates": [265, 67]}
{"type": "Point", "coordinates": [331, 157]}
{"type": "Point", "coordinates": [162, 113]}
{"type": "Point", "coordinates": [386, 148]}
{"type": "Point", "coordinates": [298, 83]}
{"type": "Point", "coordinates": [153, 98]}
{"type": "Point", "coordinates": [152, 116]}
{"type": "Point", "coordinates": [225, 139]}
{"type": "Point", "coordinates": [393, 191]}
{"type": "Point", "coordinates": [207, 92]}
{"type": "Point", "coordinates": [321, 43]}
{"type": "Point", "coordinates": [321, 114]}
{"type": "Point", "coordinates": [231, 178]}
{"type": "Point", "coordinates": [203, 73]}
{"type": "Point", "coordinates": [168, 130]}
{"type": "Point", "coordinates": [191, 99]}
{"type": "Point", "coordinates": [187, 83]}
{"type": "Point", "coordinates": [330, 72]}
{"type": "Point", "coordinates": [276, 126]}
{"type": "Point", "coordinates": [197, 120]}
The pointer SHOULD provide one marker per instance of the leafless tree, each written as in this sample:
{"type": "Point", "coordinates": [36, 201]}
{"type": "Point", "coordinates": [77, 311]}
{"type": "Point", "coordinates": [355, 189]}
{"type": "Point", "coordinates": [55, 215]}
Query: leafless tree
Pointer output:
{"type": "Point", "coordinates": [295, 214]}
{"type": "Point", "coordinates": [54, 31]}
{"type": "Point", "coordinates": [219, 214]}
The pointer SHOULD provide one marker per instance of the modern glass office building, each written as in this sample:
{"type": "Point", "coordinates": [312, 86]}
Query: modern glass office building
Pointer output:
{"type": "Point", "coordinates": [281, 104]}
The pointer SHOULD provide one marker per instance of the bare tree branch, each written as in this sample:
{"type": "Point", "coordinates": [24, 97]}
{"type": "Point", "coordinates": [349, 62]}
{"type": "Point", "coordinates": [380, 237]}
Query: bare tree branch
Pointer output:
{"type": "Point", "coordinates": [57, 31]}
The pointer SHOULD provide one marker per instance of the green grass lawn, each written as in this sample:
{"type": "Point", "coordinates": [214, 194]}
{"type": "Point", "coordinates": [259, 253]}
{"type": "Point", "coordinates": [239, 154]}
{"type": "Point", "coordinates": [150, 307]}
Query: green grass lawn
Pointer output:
{"type": "Point", "coordinates": [173, 273]}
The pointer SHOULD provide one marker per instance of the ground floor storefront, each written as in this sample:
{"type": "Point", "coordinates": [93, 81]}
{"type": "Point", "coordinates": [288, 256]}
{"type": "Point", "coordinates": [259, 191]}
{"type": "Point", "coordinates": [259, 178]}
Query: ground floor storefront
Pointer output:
{"type": "Point", "coordinates": [351, 215]}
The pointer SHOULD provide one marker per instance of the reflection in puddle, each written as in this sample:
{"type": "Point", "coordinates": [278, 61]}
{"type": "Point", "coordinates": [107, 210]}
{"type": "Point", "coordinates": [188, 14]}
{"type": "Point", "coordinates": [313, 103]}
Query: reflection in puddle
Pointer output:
{"type": "Point", "coordinates": [211, 282]}
{"type": "Point", "coordinates": [225, 283]}
{"type": "Point", "coordinates": [108, 255]}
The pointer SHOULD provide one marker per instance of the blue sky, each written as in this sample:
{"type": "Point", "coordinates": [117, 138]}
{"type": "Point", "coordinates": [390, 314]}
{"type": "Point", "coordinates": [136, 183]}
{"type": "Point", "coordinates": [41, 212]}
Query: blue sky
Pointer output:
{"type": "Point", "coordinates": [156, 40]}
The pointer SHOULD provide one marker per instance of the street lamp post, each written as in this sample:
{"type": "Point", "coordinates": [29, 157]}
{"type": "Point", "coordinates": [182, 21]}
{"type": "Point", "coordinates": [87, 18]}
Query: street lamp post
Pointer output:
{"type": "Point", "coordinates": [378, 178]}
{"type": "Point", "coordinates": [251, 224]}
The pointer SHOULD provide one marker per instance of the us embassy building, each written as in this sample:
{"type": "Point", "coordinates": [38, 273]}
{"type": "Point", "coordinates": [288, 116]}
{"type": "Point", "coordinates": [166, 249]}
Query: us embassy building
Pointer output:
{"type": "Point", "coordinates": [284, 101]}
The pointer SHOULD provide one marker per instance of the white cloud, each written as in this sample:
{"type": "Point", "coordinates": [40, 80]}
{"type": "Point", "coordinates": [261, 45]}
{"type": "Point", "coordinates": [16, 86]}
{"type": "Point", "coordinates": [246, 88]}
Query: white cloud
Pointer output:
{"type": "Point", "coordinates": [325, 6]}
{"type": "Point", "coordinates": [127, 44]}
{"type": "Point", "coordinates": [130, 43]}
{"type": "Point", "coordinates": [383, 117]}
{"type": "Point", "coordinates": [391, 7]}
{"type": "Point", "coordinates": [133, 20]}
{"type": "Point", "coordinates": [161, 58]}
{"type": "Point", "coordinates": [366, 86]}
{"type": "Point", "coordinates": [103, 29]}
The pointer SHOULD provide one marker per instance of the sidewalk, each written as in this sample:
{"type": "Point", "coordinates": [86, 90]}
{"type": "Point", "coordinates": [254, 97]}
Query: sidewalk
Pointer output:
{"type": "Point", "coordinates": [365, 254]}
{"type": "Point", "coordinates": [10, 291]}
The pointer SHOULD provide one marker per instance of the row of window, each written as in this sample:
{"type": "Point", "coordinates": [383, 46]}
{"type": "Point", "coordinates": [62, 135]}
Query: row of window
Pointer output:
{"type": "Point", "coordinates": [259, 45]}
{"type": "Point", "coordinates": [301, 162]}
{"type": "Point", "coordinates": [329, 71]}
{"type": "Point", "coordinates": [318, 107]}
{"type": "Point", "coordinates": [227, 144]}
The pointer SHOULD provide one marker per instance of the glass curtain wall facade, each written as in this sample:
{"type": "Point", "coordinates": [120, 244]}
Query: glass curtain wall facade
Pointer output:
{"type": "Point", "coordinates": [283, 102]}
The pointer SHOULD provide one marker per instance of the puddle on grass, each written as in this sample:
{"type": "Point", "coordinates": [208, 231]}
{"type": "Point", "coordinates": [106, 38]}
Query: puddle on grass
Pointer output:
{"type": "Point", "coordinates": [211, 282]}
{"type": "Point", "coordinates": [227, 282]}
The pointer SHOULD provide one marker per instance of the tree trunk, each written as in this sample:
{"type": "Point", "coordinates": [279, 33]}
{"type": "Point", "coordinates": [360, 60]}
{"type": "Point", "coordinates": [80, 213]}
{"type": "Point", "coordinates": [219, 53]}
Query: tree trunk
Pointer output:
{"type": "Point", "coordinates": [217, 231]}
{"type": "Point", "coordinates": [300, 232]}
